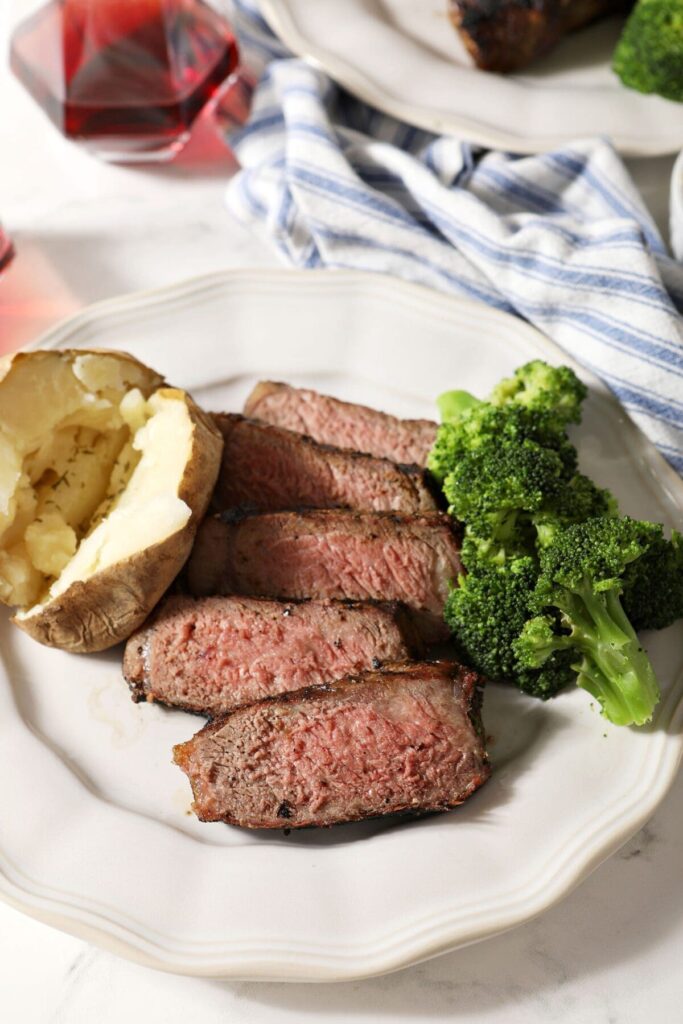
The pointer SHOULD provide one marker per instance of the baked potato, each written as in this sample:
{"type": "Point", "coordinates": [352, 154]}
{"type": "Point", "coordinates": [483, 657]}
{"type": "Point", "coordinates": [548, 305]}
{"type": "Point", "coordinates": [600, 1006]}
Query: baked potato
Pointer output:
{"type": "Point", "coordinates": [105, 474]}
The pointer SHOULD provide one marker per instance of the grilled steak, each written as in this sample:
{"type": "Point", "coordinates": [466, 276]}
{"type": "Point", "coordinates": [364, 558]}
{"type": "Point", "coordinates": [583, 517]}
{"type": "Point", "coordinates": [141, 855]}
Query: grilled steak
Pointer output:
{"type": "Point", "coordinates": [505, 35]}
{"type": "Point", "coordinates": [404, 739]}
{"type": "Point", "coordinates": [213, 654]}
{"type": "Point", "coordinates": [343, 424]}
{"type": "Point", "coordinates": [331, 553]}
{"type": "Point", "coordinates": [267, 467]}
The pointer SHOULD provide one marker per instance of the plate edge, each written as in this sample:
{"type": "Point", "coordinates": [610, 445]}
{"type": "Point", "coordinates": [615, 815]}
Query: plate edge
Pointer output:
{"type": "Point", "coordinates": [565, 885]}
{"type": "Point", "coordinates": [282, 23]}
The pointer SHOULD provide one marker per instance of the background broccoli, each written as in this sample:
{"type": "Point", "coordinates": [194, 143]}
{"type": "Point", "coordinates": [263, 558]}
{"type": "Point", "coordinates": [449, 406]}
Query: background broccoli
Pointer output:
{"type": "Point", "coordinates": [649, 54]}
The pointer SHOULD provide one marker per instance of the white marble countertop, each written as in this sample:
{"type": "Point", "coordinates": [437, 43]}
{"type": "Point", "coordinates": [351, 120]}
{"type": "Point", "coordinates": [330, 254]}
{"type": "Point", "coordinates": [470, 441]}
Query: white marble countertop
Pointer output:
{"type": "Point", "coordinates": [611, 952]}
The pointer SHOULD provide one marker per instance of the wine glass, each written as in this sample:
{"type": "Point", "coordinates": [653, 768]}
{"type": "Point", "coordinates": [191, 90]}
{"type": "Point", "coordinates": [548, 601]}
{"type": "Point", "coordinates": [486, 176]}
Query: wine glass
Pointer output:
{"type": "Point", "coordinates": [125, 78]}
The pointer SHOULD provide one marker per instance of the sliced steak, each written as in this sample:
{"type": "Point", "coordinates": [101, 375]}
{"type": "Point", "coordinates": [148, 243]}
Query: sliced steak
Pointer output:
{"type": "Point", "coordinates": [330, 421]}
{"type": "Point", "coordinates": [332, 553]}
{"type": "Point", "coordinates": [268, 467]}
{"type": "Point", "coordinates": [213, 654]}
{"type": "Point", "coordinates": [505, 35]}
{"type": "Point", "coordinates": [407, 738]}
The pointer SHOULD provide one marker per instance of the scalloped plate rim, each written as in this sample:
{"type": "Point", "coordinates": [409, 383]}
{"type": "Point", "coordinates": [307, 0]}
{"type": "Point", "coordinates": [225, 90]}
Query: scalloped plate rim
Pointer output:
{"type": "Point", "coordinates": [280, 17]}
{"type": "Point", "coordinates": [420, 939]}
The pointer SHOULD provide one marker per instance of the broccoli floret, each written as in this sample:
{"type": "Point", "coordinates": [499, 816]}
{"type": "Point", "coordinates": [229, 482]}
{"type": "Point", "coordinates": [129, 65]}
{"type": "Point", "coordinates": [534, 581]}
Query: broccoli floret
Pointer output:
{"type": "Point", "coordinates": [467, 421]}
{"type": "Point", "coordinates": [486, 614]}
{"type": "Point", "coordinates": [512, 538]}
{"type": "Point", "coordinates": [554, 391]}
{"type": "Point", "coordinates": [649, 54]}
{"type": "Point", "coordinates": [495, 486]}
{"type": "Point", "coordinates": [653, 585]}
{"type": "Point", "coordinates": [487, 611]}
{"type": "Point", "coordinates": [449, 446]}
{"type": "Point", "coordinates": [497, 466]}
{"type": "Point", "coordinates": [458, 437]}
{"type": "Point", "coordinates": [576, 500]}
{"type": "Point", "coordinates": [556, 673]}
{"type": "Point", "coordinates": [580, 581]}
{"type": "Point", "coordinates": [543, 547]}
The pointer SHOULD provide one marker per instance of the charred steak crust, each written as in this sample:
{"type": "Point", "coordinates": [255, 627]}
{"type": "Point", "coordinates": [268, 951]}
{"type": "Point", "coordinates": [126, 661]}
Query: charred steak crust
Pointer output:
{"type": "Point", "coordinates": [210, 655]}
{"type": "Point", "coordinates": [333, 554]}
{"type": "Point", "coordinates": [271, 468]}
{"type": "Point", "coordinates": [342, 424]}
{"type": "Point", "coordinates": [405, 739]}
{"type": "Point", "coordinates": [505, 35]}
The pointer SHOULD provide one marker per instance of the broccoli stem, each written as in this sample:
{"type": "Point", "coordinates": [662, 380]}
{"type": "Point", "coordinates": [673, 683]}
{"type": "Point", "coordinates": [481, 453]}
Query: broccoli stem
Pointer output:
{"type": "Point", "coordinates": [614, 668]}
{"type": "Point", "coordinates": [604, 624]}
{"type": "Point", "coordinates": [544, 649]}
{"type": "Point", "coordinates": [452, 404]}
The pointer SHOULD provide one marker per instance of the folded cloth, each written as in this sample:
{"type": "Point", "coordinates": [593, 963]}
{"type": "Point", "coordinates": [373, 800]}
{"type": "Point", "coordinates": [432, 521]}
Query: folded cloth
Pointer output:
{"type": "Point", "coordinates": [561, 239]}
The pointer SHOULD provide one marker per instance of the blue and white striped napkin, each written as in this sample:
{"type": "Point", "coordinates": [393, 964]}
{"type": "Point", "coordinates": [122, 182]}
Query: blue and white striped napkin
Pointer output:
{"type": "Point", "coordinates": [562, 239]}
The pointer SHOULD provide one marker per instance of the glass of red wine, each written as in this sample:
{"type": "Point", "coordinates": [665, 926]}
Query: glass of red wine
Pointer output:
{"type": "Point", "coordinates": [125, 78]}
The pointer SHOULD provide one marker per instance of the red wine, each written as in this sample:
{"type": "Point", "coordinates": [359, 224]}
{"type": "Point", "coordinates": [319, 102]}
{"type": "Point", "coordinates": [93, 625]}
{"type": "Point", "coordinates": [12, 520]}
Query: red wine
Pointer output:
{"type": "Point", "coordinates": [129, 76]}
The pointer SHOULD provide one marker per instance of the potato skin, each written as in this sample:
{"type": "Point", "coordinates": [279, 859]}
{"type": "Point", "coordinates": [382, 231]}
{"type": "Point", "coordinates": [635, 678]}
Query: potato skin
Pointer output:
{"type": "Point", "coordinates": [97, 613]}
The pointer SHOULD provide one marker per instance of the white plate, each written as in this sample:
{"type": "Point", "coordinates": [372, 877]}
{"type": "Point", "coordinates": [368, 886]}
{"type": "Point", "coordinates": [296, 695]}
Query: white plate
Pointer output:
{"type": "Point", "coordinates": [404, 57]}
{"type": "Point", "coordinates": [97, 836]}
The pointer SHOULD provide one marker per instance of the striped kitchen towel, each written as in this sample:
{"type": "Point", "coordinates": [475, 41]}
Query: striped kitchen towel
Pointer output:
{"type": "Point", "coordinates": [561, 239]}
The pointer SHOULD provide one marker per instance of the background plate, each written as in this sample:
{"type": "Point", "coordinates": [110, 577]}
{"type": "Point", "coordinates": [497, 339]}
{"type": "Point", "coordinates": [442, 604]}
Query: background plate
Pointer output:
{"type": "Point", "coordinates": [404, 57]}
{"type": "Point", "coordinates": [97, 836]}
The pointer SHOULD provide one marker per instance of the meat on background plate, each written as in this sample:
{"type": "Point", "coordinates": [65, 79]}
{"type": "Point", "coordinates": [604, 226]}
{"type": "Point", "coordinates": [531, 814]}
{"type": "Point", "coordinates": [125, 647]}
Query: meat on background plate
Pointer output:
{"type": "Point", "coordinates": [404, 739]}
{"type": "Point", "coordinates": [506, 35]}
{"type": "Point", "coordinates": [212, 654]}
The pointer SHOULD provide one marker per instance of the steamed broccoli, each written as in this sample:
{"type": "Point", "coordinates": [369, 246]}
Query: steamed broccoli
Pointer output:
{"type": "Point", "coordinates": [546, 554]}
{"type": "Point", "coordinates": [653, 585]}
{"type": "Point", "coordinates": [536, 403]}
{"type": "Point", "coordinates": [576, 500]}
{"type": "Point", "coordinates": [495, 485]}
{"type": "Point", "coordinates": [486, 613]}
{"type": "Point", "coordinates": [580, 581]}
{"type": "Point", "coordinates": [649, 54]}
{"type": "Point", "coordinates": [554, 391]}
{"type": "Point", "coordinates": [499, 466]}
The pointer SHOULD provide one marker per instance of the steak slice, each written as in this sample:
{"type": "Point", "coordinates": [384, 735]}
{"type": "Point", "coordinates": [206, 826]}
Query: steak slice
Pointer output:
{"type": "Point", "coordinates": [269, 468]}
{"type": "Point", "coordinates": [213, 654]}
{"type": "Point", "coordinates": [505, 35]}
{"type": "Point", "coordinates": [332, 553]}
{"type": "Point", "coordinates": [407, 738]}
{"type": "Point", "coordinates": [330, 421]}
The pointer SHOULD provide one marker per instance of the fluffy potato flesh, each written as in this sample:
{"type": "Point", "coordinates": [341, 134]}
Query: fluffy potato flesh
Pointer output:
{"type": "Point", "coordinates": [92, 455]}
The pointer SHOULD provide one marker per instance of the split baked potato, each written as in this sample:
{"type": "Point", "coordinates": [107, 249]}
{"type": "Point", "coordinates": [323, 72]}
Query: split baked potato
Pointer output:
{"type": "Point", "coordinates": [104, 476]}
